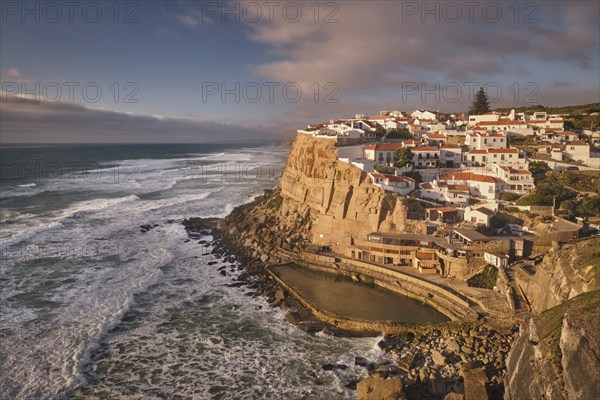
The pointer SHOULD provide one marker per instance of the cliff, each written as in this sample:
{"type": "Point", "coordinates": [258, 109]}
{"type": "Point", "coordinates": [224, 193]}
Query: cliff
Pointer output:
{"type": "Point", "coordinates": [321, 201]}
{"type": "Point", "coordinates": [557, 353]}
{"type": "Point", "coordinates": [565, 272]}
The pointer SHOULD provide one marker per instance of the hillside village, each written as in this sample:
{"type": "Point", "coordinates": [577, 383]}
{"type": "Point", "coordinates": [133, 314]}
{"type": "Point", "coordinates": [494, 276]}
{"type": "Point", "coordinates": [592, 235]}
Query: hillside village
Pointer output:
{"type": "Point", "coordinates": [467, 176]}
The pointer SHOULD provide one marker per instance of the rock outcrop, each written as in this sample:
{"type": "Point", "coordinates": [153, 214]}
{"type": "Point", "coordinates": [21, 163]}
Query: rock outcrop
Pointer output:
{"type": "Point", "coordinates": [567, 271]}
{"type": "Point", "coordinates": [342, 200]}
{"type": "Point", "coordinates": [557, 353]}
{"type": "Point", "coordinates": [320, 200]}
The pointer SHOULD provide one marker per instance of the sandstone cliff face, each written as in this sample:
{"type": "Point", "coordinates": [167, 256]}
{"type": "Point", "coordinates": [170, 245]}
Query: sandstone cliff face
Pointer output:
{"type": "Point", "coordinates": [342, 200]}
{"type": "Point", "coordinates": [566, 272]}
{"type": "Point", "coordinates": [557, 353]}
{"type": "Point", "coordinates": [320, 200]}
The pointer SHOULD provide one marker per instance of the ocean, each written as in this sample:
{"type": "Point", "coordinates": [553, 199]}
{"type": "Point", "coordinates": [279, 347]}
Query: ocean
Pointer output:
{"type": "Point", "coordinates": [92, 307]}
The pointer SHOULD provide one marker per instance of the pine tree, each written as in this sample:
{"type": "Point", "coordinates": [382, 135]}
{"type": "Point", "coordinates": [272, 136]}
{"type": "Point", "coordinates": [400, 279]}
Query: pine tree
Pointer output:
{"type": "Point", "coordinates": [480, 104]}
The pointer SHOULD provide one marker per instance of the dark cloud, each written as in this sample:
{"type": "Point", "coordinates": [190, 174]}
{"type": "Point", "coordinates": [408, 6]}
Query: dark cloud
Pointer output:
{"type": "Point", "coordinates": [62, 122]}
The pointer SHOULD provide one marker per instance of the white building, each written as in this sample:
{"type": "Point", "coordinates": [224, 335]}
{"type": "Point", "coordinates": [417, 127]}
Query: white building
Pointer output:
{"type": "Point", "coordinates": [450, 155]}
{"type": "Point", "coordinates": [578, 151]}
{"type": "Point", "coordinates": [436, 139]}
{"type": "Point", "coordinates": [457, 194]}
{"type": "Point", "coordinates": [402, 185]}
{"type": "Point", "coordinates": [498, 260]}
{"type": "Point", "coordinates": [382, 153]}
{"type": "Point", "coordinates": [424, 114]}
{"type": "Point", "coordinates": [481, 141]}
{"type": "Point", "coordinates": [484, 186]}
{"type": "Point", "coordinates": [509, 156]}
{"type": "Point", "coordinates": [518, 180]}
{"type": "Point", "coordinates": [481, 215]}
{"type": "Point", "coordinates": [425, 157]}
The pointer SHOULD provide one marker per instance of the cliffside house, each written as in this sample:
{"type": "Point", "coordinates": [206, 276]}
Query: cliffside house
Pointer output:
{"type": "Point", "coordinates": [435, 139]}
{"type": "Point", "coordinates": [457, 194]}
{"type": "Point", "coordinates": [482, 141]}
{"type": "Point", "coordinates": [402, 185]}
{"type": "Point", "coordinates": [518, 180]}
{"type": "Point", "coordinates": [451, 155]}
{"type": "Point", "coordinates": [484, 186]}
{"type": "Point", "coordinates": [446, 215]}
{"type": "Point", "coordinates": [382, 153]}
{"type": "Point", "coordinates": [480, 216]}
{"type": "Point", "coordinates": [425, 157]}
{"type": "Point", "coordinates": [509, 156]}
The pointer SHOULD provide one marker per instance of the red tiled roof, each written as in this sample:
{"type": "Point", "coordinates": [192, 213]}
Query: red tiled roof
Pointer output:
{"type": "Point", "coordinates": [424, 148]}
{"type": "Point", "coordinates": [470, 176]}
{"type": "Point", "coordinates": [502, 123]}
{"type": "Point", "coordinates": [508, 150]}
{"type": "Point", "coordinates": [450, 146]}
{"type": "Point", "coordinates": [394, 178]}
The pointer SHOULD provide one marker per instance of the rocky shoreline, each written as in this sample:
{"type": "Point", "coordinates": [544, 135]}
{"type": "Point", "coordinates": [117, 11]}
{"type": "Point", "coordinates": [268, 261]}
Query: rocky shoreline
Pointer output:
{"type": "Point", "coordinates": [433, 362]}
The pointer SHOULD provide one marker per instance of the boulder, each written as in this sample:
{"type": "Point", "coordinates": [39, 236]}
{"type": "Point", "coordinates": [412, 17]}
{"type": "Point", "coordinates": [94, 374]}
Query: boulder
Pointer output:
{"type": "Point", "coordinates": [436, 386]}
{"type": "Point", "coordinates": [453, 346]}
{"type": "Point", "coordinates": [380, 389]}
{"type": "Point", "coordinates": [438, 357]}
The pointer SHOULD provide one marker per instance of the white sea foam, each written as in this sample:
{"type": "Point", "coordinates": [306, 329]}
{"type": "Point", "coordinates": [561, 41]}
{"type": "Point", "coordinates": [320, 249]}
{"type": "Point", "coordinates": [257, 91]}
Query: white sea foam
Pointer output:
{"type": "Point", "coordinates": [205, 335]}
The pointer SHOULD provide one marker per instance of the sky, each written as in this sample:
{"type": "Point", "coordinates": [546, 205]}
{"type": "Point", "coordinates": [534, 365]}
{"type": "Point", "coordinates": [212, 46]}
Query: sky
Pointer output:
{"type": "Point", "coordinates": [206, 71]}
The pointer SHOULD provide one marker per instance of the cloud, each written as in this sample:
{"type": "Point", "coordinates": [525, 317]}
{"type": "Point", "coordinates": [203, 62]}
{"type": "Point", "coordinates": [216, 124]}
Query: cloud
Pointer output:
{"type": "Point", "coordinates": [25, 121]}
{"type": "Point", "coordinates": [376, 46]}
{"type": "Point", "coordinates": [12, 73]}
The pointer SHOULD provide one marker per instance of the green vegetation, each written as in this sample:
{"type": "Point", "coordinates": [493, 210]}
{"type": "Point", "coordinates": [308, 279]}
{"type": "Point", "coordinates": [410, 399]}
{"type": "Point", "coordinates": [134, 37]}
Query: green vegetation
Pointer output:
{"type": "Point", "coordinates": [403, 157]}
{"type": "Point", "coordinates": [565, 186]}
{"type": "Point", "coordinates": [581, 181]}
{"type": "Point", "coordinates": [485, 279]}
{"type": "Point", "coordinates": [550, 323]}
{"type": "Point", "coordinates": [546, 190]}
{"type": "Point", "coordinates": [507, 196]}
{"type": "Point", "coordinates": [579, 116]}
{"type": "Point", "coordinates": [399, 133]}
{"type": "Point", "coordinates": [573, 110]}
{"type": "Point", "coordinates": [382, 169]}
{"type": "Point", "coordinates": [538, 169]}
{"type": "Point", "coordinates": [379, 132]}
{"type": "Point", "coordinates": [582, 207]}
{"type": "Point", "coordinates": [480, 105]}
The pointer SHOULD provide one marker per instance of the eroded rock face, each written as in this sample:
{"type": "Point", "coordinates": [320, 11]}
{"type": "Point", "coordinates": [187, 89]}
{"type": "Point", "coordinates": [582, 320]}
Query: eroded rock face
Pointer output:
{"type": "Point", "coordinates": [320, 200]}
{"type": "Point", "coordinates": [580, 347]}
{"type": "Point", "coordinates": [343, 201]}
{"type": "Point", "coordinates": [567, 271]}
{"type": "Point", "coordinates": [557, 353]}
